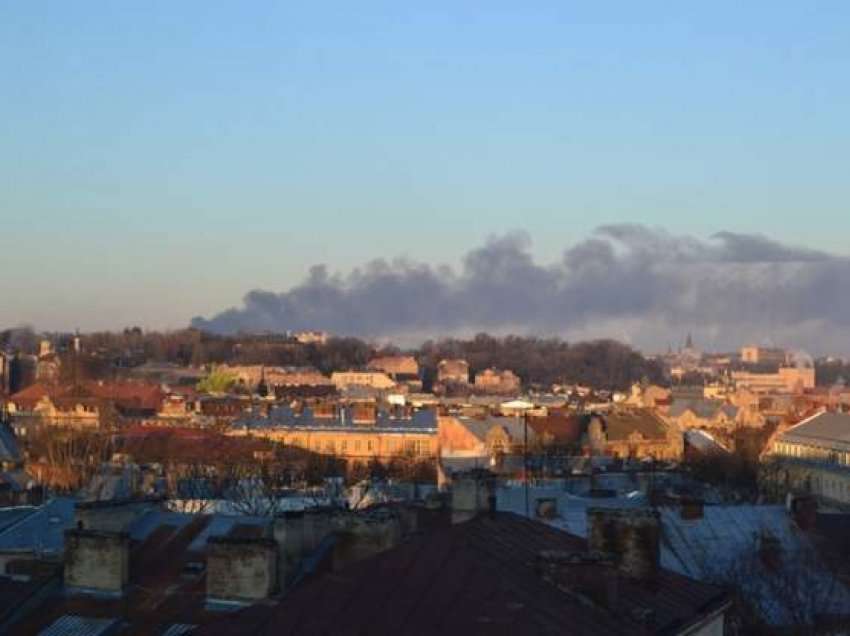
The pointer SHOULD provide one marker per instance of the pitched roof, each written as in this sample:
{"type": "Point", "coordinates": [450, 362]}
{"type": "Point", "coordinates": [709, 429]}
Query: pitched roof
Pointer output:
{"type": "Point", "coordinates": [711, 547]}
{"type": "Point", "coordinates": [825, 428]}
{"type": "Point", "coordinates": [564, 429]}
{"type": "Point", "coordinates": [621, 424]}
{"type": "Point", "coordinates": [125, 394]}
{"type": "Point", "coordinates": [706, 409]}
{"type": "Point", "coordinates": [41, 530]}
{"type": "Point", "coordinates": [395, 365]}
{"type": "Point", "coordinates": [478, 577]}
{"type": "Point", "coordinates": [480, 427]}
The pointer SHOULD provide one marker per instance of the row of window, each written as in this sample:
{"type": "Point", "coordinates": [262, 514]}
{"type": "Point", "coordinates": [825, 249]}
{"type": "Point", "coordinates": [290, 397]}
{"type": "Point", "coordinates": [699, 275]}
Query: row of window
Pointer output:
{"type": "Point", "coordinates": [813, 452]}
{"type": "Point", "coordinates": [417, 447]}
{"type": "Point", "coordinates": [833, 488]}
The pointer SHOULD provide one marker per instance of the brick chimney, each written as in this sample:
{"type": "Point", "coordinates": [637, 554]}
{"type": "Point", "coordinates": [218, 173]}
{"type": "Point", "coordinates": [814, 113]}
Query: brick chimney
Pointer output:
{"type": "Point", "coordinates": [631, 536]}
{"type": "Point", "coordinates": [97, 561]}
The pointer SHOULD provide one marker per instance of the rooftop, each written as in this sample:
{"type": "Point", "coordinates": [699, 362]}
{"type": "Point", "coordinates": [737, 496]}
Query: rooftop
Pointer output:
{"type": "Point", "coordinates": [824, 428]}
{"type": "Point", "coordinates": [423, 421]}
{"type": "Point", "coordinates": [478, 577]}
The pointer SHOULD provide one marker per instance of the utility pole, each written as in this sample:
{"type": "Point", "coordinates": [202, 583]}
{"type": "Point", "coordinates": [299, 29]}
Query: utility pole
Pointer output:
{"type": "Point", "coordinates": [525, 461]}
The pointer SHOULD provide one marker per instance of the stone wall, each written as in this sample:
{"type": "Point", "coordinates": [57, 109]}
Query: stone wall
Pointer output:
{"type": "Point", "coordinates": [241, 569]}
{"type": "Point", "coordinates": [97, 560]}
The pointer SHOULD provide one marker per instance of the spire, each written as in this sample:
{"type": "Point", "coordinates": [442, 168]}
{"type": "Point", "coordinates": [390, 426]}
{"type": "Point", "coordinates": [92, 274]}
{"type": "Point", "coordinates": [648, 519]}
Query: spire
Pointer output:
{"type": "Point", "coordinates": [689, 343]}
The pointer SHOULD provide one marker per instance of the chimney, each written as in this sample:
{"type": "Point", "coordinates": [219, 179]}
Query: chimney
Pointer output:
{"type": "Point", "coordinates": [114, 515]}
{"type": "Point", "coordinates": [324, 410]}
{"type": "Point", "coordinates": [363, 413]}
{"type": "Point", "coordinates": [546, 508]}
{"type": "Point", "coordinates": [592, 575]}
{"type": "Point", "coordinates": [631, 536]}
{"type": "Point", "coordinates": [770, 550]}
{"type": "Point", "coordinates": [241, 570]}
{"type": "Point", "coordinates": [97, 561]}
{"type": "Point", "coordinates": [471, 495]}
{"type": "Point", "coordinates": [804, 510]}
{"type": "Point", "coordinates": [360, 536]}
{"type": "Point", "coordinates": [691, 508]}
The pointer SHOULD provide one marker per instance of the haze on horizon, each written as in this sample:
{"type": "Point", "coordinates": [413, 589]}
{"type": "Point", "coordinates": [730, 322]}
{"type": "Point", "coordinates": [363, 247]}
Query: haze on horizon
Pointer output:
{"type": "Point", "coordinates": [635, 171]}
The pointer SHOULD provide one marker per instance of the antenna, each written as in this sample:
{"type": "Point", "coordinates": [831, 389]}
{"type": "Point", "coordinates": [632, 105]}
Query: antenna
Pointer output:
{"type": "Point", "coordinates": [525, 460]}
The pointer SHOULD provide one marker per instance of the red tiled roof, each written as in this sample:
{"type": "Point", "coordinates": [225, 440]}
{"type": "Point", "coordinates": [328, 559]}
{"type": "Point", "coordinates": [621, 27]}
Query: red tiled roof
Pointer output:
{"type": "Point", "coordinates": [128, 394]}
{"type": "Point", "coordinates": [186, 444]}
{"type": "Point", "coordinates": [138, 395]}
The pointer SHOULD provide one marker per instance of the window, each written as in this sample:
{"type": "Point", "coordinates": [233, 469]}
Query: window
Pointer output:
{"type": "Point", "coordinates": [357, 446]}
{"type": "Point", "coordinates": [369, 445]}
{"type": "Point", "coordinates": [343, 446]}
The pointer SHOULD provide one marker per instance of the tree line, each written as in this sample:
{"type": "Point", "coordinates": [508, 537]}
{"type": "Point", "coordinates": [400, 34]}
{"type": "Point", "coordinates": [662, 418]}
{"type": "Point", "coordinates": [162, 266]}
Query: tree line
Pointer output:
{"type": "Point", "coordinates": [537, 361]}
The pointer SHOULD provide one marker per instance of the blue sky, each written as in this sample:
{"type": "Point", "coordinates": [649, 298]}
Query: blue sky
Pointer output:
{"type": "Point", "coordinates": [159, 159]}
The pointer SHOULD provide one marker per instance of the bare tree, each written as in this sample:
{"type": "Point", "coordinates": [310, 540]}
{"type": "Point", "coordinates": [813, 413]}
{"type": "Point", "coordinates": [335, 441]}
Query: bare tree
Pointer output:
{"type": "Point", "coordinates": [795, 591]}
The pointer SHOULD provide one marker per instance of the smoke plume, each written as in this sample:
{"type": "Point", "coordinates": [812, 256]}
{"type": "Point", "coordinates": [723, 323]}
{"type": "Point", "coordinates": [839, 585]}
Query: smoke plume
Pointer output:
{"type": "Point", "coordinates": [631, 282]}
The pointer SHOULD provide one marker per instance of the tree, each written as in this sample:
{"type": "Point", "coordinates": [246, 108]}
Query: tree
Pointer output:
{"type": "Point", "coordinates": [69, 458]}
{"type": "Point", "coordinates": [797, 590]}
{"type": "Point", "coordinates": [217, 381]}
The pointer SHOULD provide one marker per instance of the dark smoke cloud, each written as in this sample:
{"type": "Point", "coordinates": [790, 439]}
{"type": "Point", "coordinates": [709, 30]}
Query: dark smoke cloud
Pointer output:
{"type": "Point", "coordinates": [627, 281]}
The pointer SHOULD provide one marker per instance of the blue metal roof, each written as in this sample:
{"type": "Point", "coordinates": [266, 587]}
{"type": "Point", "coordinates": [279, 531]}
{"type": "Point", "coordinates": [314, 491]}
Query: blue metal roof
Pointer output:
{"type": "Point", "coordinates": [424, 421]}
{"type": "Point", "coordinates": [43, 530]}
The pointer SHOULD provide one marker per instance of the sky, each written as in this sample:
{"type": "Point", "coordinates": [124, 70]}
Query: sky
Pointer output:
{"type": "Point", "coordinates": [159, 160]}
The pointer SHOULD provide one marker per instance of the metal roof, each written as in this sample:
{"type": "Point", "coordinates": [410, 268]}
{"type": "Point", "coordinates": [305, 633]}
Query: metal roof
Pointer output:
{"type": "Point", "coordinates": [9, 516]}
{"type": "Point", "coordinates": [179, 629]}
{"type": "Point", "coordinates": [70, 625]}
{"type": "Point", "coordinates": [708, 549]}
{"type": "Point", "coordinates": [9, 451]}
{"type": "Point", "coordinates": [822, 429]}
{"type": "Point", "coordinates": [41, 531]}
{"type": "Point", "coordinates": [711, 547]}
{"type": "Point", "coordinates": [424, 421]}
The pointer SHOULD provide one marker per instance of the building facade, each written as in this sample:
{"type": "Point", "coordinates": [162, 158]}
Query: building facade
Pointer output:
{"type": "Point", "coordinates": [371, 379]}
{"type": "Point", "coordinates": [785, 380]}
{"type": "Point", "coordinates": [812, 457]}
{"type": "Point", "coordinates": [352, 433]}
